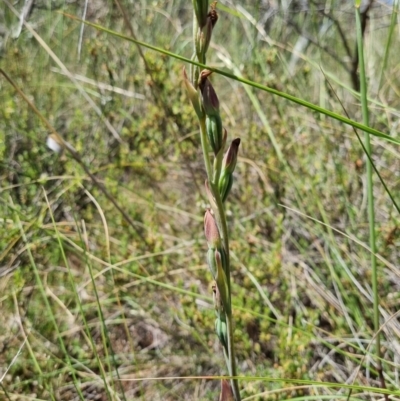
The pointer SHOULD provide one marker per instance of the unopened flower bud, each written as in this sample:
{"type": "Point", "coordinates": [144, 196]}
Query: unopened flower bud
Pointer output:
{"type": "Point", "coordinates": [214, 132]}
{"type": "Point", "coordinates": [211, 108]}
{"type": "Point", "coordinates": [211, 231]}
{"type": "Point", "coordinates": [225, 185]}
{"type": "Point", "coordinates": [193, 95]}
{"type": "Point", "coordinates": [210, 196]}
{"type": "Point", "coordinates": [219, 308]}
{"type": "Point", "coordinates": [212, 265]}
{"type": "Point", "coordinates": [228, 166]}
{"type": "Point", "coordinates": [230, 158]}
{"type": "Point", "coordinates": [221, 330]}
{"type": "Point", "coordinates": [209, 96]}
{"type": "Point", "coordinates": [222, 283]}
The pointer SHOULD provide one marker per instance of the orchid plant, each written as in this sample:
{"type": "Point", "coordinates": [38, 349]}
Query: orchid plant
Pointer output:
{"type": "Point", "coordinates": [220, 167]}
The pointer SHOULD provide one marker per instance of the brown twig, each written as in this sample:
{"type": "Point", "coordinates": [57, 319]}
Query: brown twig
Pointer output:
{"type": "Point", "coordinates": [355, 78]}
{"type": "Point", "coordinates": [339, 29]}
{"type": "Point", "coordinates": [325, 49]}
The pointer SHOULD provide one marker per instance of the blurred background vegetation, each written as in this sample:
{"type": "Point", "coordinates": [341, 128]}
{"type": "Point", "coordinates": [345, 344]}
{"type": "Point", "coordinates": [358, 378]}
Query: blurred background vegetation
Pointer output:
{"type": "Point", "coordinates": [91, 302]}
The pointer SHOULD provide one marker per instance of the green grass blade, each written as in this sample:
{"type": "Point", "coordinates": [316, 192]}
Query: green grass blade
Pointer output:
{"type": "Point", "coordinates": [284, 95]}
{"type": "Point", "coordinates": [78, 301]}
{"type": "Point", "coordinates": [393, 23]}
{"type": "Point", "coordinates": [49, 310]}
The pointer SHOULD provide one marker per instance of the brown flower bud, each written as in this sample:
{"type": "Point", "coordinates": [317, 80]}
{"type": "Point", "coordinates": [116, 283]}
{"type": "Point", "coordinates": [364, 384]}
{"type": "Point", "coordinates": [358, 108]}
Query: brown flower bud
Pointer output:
{"type": "Point", "coordinates": [230, 158]}
{"type": "Point", "coordinates": [228, 166]}
{"type": "Point", "coordinates": [209, 96]}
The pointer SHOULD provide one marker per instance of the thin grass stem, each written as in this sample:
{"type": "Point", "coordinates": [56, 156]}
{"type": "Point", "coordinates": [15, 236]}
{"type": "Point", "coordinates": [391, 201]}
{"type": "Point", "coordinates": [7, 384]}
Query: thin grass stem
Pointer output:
{"type": "Point", "coordinates": [287, 96]}
{"type": "Point", "coordinates": [393, 23]}
{"type": "Point", "coordinates": [50, 311]}
{"type": "Point", "coordinates": [232, 359]}
{"type": "Point", "coordinates": [104, 330]}
{"type": "Point", "coordinates": [77, 297]}
{"type": "Point", "coordinates": [370, 193]}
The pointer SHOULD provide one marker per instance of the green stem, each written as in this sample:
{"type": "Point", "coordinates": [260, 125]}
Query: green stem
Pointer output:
{"type": "Point", "coordinates": [232, 359]}
{"type": "Point", "coordinates": [389, 41]}
{"type": "Point", "coordinates": [50, 313]}
{"type": "Point", "coordinates": [255, 85]}
{"type": "Point", "coordinates": [371, 212]}
{"type": "Point", "coordinates": [213, 175]}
